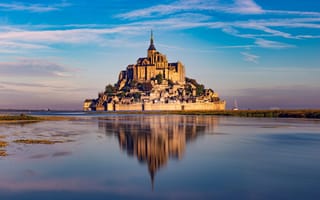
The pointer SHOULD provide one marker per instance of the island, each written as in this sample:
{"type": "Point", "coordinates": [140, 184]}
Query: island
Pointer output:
{"type": "Point", "coordinates": [154, 84]}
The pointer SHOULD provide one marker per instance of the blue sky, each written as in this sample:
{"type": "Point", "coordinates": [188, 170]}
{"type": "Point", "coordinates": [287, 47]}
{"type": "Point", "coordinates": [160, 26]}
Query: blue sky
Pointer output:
{"type": "Point", "coordinates": [264, 53]}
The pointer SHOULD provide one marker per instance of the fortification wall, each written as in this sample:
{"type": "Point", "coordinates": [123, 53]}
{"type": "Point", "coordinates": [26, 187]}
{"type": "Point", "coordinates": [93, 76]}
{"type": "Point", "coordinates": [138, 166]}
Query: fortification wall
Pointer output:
{"type": "Point", "coordinates": [169, 106]}
{"type": "Point", "coordinates": [160, 106]}
{"type": "Point", "coordinates": [205, 106]}
{"type": "Point", "coordinates": [128, 107]}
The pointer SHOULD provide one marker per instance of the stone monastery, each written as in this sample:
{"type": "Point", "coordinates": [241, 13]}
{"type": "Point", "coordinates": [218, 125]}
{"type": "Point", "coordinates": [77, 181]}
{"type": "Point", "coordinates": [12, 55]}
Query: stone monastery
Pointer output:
{"type": "Point", "coordinates": [155, 84]}
{"type": "Point", "coordinates": [155, 63]}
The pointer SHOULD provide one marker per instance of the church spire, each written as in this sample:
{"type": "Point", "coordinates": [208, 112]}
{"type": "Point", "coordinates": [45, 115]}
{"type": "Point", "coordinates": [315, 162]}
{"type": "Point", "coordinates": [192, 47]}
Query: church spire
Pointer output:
{"type": "Point", "coordinates": [151, 38]}
{"type": "Point", "coordinates": [151, 46]}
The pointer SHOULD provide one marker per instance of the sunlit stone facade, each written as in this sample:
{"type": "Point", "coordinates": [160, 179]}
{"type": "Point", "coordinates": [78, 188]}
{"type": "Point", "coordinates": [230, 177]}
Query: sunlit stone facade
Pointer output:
{"type": "Point", "coordinates": [155, 63]}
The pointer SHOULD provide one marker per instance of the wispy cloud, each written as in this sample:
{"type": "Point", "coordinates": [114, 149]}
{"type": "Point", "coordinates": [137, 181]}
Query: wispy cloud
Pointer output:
{"type": "Point", "coordinates": [272, 44]}
{"type": "Point", "coordinates": [8, 83]}
{"type": "Point", "coordinates": [271, 22]}
{"type": "Point", "coordinates": [238, 7]}
{"type": "Point", "coordinates": [178, 15]}
{"type": "Point", "coordinates": [33, 67]}
{"type": "Point", "coordinates": [288, 12]}
{"type": "Point", "coordinates": [71, 36]}
{"type": "Point", "coordinates": [19, 6]}
{"type": "Point", "coordinates": [11, 47]}
{"type": "Point", "coordinates": [245, 7]}
{"type": "Point", "coordinates": [250, 57]}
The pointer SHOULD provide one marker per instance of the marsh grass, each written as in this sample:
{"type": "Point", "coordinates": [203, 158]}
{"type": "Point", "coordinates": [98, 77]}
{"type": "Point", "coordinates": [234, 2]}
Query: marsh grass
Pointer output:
{"type": "Point", "coordinates": [36, 141]}
{"type": "Point", "coordinates": [18, 117]}
{"type": "Point", "coordinates": [3, 153]}
{"type": "Point", "coordinates": [3, 143]}
{"type": "Point", "coordinates": [22, 118]}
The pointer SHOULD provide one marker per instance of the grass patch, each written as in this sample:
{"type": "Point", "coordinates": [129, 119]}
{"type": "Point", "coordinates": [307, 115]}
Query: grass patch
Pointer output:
{"type": "Point", "coordinates": [3, 143]}
{"type": "Point", "coordinates": [22, 118]}
{"type": "Point", "coordinates": [18, 117]}
{"type": "Point", "coordinates": [3, 153]}
{"type": "Point", "coordinates": [36, 141]}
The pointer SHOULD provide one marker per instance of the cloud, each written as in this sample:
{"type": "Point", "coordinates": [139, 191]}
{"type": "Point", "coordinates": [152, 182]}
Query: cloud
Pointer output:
{"type": "Point", "coordinates": [158, 10]}
{"type": "Point", "coordinates": [250, 57]}
{"type": "Point", "coordinates": [19, 6]}
{"type": "Point", "coordinates": [243, 7]}
{"type": "Point", "coordinates": [288, 12]}
{"type": "Point", "coordinates": [12, 47]}
{"type": "Point", "coordinates": [33, 67]}
{"type": "Point", "coordinates": [178, 15]}
{"type": "Point", "coordinates": [170, 16]}
{"type": "Point", "coordinates": [272, 44]}
{"type": "Point", "coordinates": [246, 7]}
{"type": "Point", "coordinates": [37, 39]}
{"type": "Point", "coordinates": [238, 7]}
{"type": "Point", "coordinates": [23, 84]}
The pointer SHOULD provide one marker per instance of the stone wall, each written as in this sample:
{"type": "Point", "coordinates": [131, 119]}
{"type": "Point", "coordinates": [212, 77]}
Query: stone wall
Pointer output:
{"type": "Point", "coordinates": [205, 106]}
{"type": "Point", "coordinates": [160, 106]}
{"type": "Point", "coordinates": [210, 106]}
{"type": "Point", "coordinates": [128, 107]}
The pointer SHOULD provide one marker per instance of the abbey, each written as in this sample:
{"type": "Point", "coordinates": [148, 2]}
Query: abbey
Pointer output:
{"type": "Point", "coordinates": [148, 67]}
{"type": "Point", "coordinates": [155, 84]}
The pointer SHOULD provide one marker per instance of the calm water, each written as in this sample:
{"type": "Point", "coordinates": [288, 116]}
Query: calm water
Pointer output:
{"type": "Point", "coordinates": [162, 157]}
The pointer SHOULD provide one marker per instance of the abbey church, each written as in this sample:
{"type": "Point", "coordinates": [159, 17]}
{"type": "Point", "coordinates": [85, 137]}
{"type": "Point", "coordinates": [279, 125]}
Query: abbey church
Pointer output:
{"type": "Point", "coordinates": [155, 63]}
{"type": "Point", "coordinates": [153, 83]}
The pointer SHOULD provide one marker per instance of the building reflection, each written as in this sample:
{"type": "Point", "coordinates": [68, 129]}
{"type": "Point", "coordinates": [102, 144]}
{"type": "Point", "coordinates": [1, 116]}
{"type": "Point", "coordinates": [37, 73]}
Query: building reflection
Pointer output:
{"type": "Point", "coordinates": [154, 139]}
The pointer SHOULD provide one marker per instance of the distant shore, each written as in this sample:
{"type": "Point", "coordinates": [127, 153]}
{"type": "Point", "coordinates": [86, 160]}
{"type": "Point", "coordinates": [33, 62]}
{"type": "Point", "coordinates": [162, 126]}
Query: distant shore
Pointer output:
{"type": "Point", "coordinates": [307, 114]}
{"type": "Point", "coordinates": [310, 114]}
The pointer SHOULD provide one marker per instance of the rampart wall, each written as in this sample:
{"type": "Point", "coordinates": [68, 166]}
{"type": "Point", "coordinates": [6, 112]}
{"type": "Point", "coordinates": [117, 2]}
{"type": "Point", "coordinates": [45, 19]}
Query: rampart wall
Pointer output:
{"type": "Point", "coordinates": [209, 106]}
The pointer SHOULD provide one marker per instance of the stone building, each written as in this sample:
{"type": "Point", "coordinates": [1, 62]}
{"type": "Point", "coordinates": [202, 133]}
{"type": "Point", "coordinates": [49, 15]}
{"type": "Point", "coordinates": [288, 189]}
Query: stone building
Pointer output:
{"type": "Point", "coordinates": [149, 67]}
{"type": "Point", "coordinates": [89, 105]}
{"type": "Point", "coordinates": [155, 84]}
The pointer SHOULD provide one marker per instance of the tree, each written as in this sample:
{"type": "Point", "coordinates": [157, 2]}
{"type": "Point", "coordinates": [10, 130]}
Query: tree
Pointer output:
{"type": "Point", "coordinates": [200, 90]}
{"type": "Point", "coordinates": [126, 88]}
{"type": "Point", "coordinates": [188, 89]}
{"type": "Point", "coordinates": [159, 78]}
{"type": "Point", "coordinates": [136, 96]}
{"type": "Point", "coordinates": [145, 86]}
{"type": "Point", "coordinates": [133, 84]}
{"type": "Point", "coordinates": [109, 90]}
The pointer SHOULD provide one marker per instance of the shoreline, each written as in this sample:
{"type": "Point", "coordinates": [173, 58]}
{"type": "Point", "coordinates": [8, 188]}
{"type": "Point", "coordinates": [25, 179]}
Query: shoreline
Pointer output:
{"type": "Point", "coordinates": [306, 114]}
{"type": "Point", "coordinates": [303, 114]}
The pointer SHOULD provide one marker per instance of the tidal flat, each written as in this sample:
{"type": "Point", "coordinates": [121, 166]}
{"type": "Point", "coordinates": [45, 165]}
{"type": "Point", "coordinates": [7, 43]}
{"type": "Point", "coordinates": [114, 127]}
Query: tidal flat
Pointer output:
{"type": "Point", "coordinates": [159, 156]}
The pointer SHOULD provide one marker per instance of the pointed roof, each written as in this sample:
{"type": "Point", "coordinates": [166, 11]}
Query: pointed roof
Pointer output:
{"type": "Point", "coordinates": [151, 46]}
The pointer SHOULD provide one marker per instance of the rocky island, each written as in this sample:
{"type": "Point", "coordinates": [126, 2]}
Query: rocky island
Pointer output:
{"type": "Point", "coordinates": [155, 84]}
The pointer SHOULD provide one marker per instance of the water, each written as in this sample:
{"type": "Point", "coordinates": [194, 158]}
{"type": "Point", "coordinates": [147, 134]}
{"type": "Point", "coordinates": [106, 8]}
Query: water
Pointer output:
{"type": "Point", "coordinates": [162, 157]}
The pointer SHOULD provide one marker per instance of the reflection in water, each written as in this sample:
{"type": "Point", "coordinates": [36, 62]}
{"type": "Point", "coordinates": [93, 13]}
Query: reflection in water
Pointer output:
{"type": "Point", "coordinates": [155, 139]}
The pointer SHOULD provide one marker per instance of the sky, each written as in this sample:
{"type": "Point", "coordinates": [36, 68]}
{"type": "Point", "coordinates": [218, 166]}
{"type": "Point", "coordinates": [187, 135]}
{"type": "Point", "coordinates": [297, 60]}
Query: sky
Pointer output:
{"type": "Point", "coordinates": [263, 53]}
